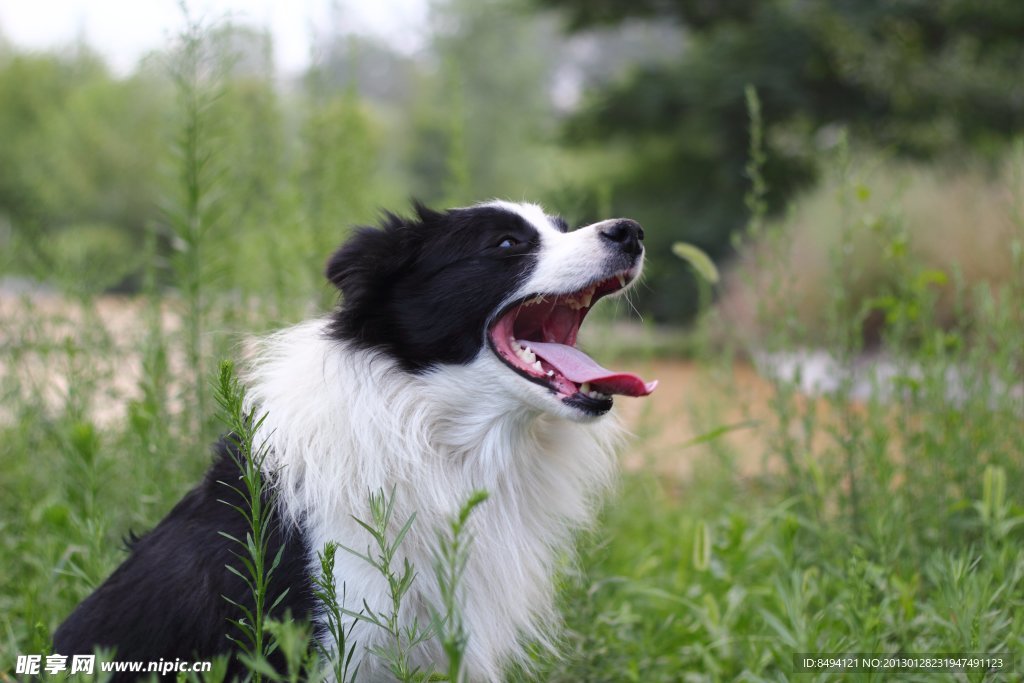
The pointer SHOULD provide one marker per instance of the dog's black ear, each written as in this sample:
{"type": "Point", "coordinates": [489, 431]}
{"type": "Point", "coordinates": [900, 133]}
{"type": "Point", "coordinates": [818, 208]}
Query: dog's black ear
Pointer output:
{"type": "Point", "coordinates": [371, 257]}
{"type": "Point", "coordinates": [363, 260]}
{"type": "Point", "coordinates": [364, 269]}
{"type": "Point", "coordinates": [367, 269]}
{"type": "Point", "coordinates": [369, 261]}
{"type": "Point", "coordinates": [425, 213]}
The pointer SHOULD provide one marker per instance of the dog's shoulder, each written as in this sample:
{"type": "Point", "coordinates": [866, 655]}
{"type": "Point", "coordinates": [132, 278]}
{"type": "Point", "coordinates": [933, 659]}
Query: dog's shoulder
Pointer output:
{"type": "Point", "coordinates": [173, 594]}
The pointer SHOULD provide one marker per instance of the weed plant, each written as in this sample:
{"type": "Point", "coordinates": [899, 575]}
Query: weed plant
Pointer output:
{"type": "Point", "coordinates": [452, 554]}
{"type": "Point", "coordinates": [403, 639]}
{"type": "Point", "coordinates": [256, 500]}
{"type": "Point", "coordinates": [340, 656]}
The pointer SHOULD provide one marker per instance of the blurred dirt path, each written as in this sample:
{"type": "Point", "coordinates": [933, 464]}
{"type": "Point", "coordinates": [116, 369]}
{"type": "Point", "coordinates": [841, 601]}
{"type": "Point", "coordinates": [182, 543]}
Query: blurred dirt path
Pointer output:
{"type": "Point", "coordinates": [727, 404]}
{"type": "Point", "coordinates": [692, 400]}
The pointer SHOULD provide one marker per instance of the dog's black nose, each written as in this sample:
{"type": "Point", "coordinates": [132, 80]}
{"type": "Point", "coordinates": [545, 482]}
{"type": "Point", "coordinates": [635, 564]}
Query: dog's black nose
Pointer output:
{"type": "Point", "coordinates": [625, 234]}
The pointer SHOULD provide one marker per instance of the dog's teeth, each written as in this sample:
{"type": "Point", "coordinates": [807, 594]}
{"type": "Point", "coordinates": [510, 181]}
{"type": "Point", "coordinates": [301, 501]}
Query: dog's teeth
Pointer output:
{"type": "Point", "coordinates": [585, 388]}
{"type": "Point", "coordinates": [537, 366]}
{"type": "Point", "coordinates": [526, 354]}
{"type": "Point", "coordinates": [622, 279]}
{"type": "Point", "coordinates": [551, 373]}
{"type": "Point", "coordinates": [586, 298]}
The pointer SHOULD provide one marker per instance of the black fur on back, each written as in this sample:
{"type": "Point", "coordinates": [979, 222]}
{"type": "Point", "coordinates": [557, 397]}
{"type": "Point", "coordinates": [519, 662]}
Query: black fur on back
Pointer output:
{"type": "Point", "coordinates": [167, 599]}
{"type": "Point", "coordinates": [423, 288]}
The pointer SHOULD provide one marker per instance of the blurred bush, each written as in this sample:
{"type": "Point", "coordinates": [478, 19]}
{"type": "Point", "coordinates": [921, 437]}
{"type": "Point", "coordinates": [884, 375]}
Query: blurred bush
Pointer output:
{"type": "Point", "coordinates": [92, 258]}
{"type": "Point", "coordinates": [80, 146]}
{"type": "Point", "coordinates": [876, 216]}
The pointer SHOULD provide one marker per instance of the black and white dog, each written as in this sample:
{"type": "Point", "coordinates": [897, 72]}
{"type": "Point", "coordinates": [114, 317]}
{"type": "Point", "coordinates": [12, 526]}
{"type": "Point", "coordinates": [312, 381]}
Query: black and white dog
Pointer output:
{"type": "Point", "coordinates": [451, 365]}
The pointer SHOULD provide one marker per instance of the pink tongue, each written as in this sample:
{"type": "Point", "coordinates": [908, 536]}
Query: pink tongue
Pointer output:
{"type": "Point", "coordinates": [578, 367]}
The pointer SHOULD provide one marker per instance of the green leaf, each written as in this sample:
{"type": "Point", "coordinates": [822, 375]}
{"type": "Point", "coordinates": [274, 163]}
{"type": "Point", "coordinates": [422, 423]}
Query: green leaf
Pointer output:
{"type": "Point", "coordinates": [259, 664]}
{"type": "Point", "coordinates": [373, 532]}
{"type": "Point", "coordinates": [358, 554]}
{"type": "Point", "coordinates": [702, 543]}
{"type": "Point", "coordinates": [278, 600]}
{"type": "Point", "coordinates": [403, 531]}
{"type": "Point", "coordinates": [698, 260]}
{"type": "Point", "coordinates": [719, 431]}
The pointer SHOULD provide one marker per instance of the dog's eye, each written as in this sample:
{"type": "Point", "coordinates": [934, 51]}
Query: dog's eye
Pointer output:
{"type": "Point", "coordinates": [507, 242]}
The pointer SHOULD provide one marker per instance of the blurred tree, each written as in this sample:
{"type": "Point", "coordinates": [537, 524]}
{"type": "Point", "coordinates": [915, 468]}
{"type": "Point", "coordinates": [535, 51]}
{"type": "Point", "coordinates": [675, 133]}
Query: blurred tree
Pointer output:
{"type": "Point", "coordinates": [247, 134]}
{"type": "Point", "coordinates": [349, 92]}
{"type": "Point", "coordinates": [922, 78]}
{"type": "Point", "coordinates": [339, 163]}
{"type": "Point", "coordinates": [79, 147]}
{"type": "Point", "coordinates": [377, 72]}
{"type": "Point", "coordinates": [484, 113]}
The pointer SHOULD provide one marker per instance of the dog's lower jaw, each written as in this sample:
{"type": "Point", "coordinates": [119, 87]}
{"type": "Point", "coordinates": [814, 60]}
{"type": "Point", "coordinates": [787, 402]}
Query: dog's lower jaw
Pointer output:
{"type": "Point", "coordinates": [342, 423]}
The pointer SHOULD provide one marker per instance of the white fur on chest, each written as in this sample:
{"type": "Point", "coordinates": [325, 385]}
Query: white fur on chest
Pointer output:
{"type": "Point", "coordinates": [342, 423]}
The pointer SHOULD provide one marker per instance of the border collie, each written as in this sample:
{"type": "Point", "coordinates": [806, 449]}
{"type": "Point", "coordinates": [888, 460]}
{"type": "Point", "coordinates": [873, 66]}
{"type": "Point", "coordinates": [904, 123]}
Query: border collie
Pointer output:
{"type": "Point", "coordinates": [450, 366]}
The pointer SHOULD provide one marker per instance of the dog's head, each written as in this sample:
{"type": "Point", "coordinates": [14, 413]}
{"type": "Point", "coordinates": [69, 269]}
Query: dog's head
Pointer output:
{"type": "Point", "coordinates": [502, 287]}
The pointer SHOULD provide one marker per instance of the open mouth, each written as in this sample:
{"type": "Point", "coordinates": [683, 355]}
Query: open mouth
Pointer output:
{"type": "Point", "coordinates": [536, 337]}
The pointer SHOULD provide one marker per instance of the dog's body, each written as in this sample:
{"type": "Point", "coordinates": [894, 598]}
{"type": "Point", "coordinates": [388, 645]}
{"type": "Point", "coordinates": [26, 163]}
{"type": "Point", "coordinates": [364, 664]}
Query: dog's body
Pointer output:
{"type": "Point", "coordinates": [419, 383]}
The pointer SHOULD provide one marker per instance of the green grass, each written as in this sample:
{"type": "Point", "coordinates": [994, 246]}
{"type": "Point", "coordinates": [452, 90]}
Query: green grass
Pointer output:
{"type": "Point", "coordinates": [727, 582]}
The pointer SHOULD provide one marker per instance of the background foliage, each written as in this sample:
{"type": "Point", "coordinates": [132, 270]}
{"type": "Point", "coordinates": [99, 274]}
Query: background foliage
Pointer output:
{"type": "Point", "coordinates": [922, 80]}
{"type": "Point", "coordinates": [587, 120]}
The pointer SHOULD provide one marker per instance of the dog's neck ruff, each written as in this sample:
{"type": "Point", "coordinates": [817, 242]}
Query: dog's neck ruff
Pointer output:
{"type": "Point", "coordinates": [344, 422]}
